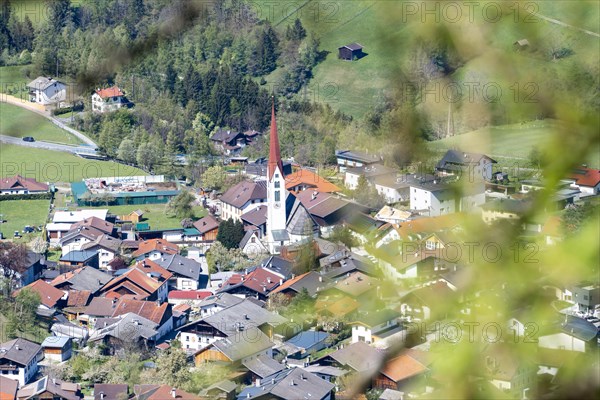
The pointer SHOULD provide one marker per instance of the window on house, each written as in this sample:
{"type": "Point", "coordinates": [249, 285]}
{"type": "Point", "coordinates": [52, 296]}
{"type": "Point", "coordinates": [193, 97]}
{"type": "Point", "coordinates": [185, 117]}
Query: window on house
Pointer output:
{"type": "Point", "coordinates": [276, 184]}
{"type": "Point", "coordinates": [277, 196]}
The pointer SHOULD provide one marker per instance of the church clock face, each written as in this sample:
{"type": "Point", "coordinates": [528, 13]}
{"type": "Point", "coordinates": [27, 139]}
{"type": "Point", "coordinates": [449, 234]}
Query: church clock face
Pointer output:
{"type": "Point", "coordinates": [277, 205]}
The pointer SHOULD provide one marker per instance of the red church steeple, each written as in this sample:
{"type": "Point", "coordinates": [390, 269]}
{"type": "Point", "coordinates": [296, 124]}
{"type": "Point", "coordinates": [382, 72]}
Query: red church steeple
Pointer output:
{"type": "Point", "coordinates": [274, 151]}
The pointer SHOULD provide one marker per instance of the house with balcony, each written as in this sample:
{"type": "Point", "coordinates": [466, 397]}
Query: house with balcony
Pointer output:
{"type": "Point", "coordinates": [45, 91]}
{"type": "Point", "coordinates": [108, 99]}
{"type": "Point", "coordinates": [19, 360]}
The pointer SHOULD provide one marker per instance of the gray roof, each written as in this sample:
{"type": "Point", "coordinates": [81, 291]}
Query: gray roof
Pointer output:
{"type": "Point", "coordinates": [508, 205]}
{"type": "Point", "coordinates": [221, 299]}
{"type": "Point", "coordinates": [246, 314]}
{"type": "Point", "coordinates": [263, 365]}
{"type": "Point", "coordinates": [243, 344]}
{"type": "Point", "coordinates": [245, 191]}
{"type": "Point", "coordinates": [278, 265]}
{"type": "Point", "coordinates": [224, 386]}
{"type": "Point", "coordinates": [104, 241]}
{"type": "Point", "coordinates": [581, 329]}
{"type": "Point", "coordinates": [353, 46]}
{"type": "Point", "coordinates": [357, 156]}
{"type": "Point", "coordinates": [42, 83]}
{"type": "Point", "coordinates": [180, 265]}
{"type": "Point", "coordinates": [79, 255]}
{"type": "Point", "coordinates": [456, 160]}
{"type": "Point", "coordinates": [290, 384]}
{"type": "Point", "coordinates": [19, 351]}
{"type": "Point", "coordinates": [359, 356]}
{"type": "Point", "coordinates": [299, 221]}
{"type": "Point", "coordinates": [55, 341]}
{"type": "Point", "coordinates": [206, 224]}
{"type": "Point", "coordinates": [373, 170]}
{"type": "Point", "coordinates": [257, 216]}
{"type": "Point", "coordinates": [61, 389]}
{"type": "Point", "coordinates": [88, 278]}
{"type": "Point", "coordinates": [390, 394]}
{"type": "Point", "coordinates": [130, 327]}
{"type": "Point", "coordinates": [111, 391]}
{"type": "Point", "coordinates": [326, 370]}
{"type": "Point", "coordinates": [399, 181]}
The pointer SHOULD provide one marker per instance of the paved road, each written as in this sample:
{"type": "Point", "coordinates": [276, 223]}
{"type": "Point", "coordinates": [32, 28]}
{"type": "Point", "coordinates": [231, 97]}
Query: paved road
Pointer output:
{"type": "Point", "coordinates": [47, 145]}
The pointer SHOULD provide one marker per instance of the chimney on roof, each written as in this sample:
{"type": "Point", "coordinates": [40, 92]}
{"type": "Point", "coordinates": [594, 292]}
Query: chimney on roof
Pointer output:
{"type": "Point", "coordinates": [280, 282]}
{"type": "Point", "coordinates": [292, 383]}
{"type": "Point", "coordinates": [54, 381]}
{"type": "Point", "coordinates": [268, 279]}
{"type": "Point", "coordinates": [101, 395]}
{"type": "Point", "coordinates": [173, 393]}
{"type": "Point", "coordinates": [17, 347]}
{"type": "Point", "coordinates": [320, 278]}
{"type": "Point", "coordinates": [257, 382]}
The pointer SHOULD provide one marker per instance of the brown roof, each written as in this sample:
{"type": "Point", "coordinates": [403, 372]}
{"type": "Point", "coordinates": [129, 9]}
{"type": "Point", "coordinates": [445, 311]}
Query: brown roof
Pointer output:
{"type": "Point", "coordinates": [206, 224]}
{"type": "Point", "coordinates": [320, 204]}
{"type": "Point", "coordinates": [110, 391]}
{"type": "Point", "coordinates": [8, 388]}
{"type": "Point", "coordinates": [160, 245]}
{"type": "Point", "coordinates": [78, 298]}
{"type": "Point", "coordinates": [146, 309]}
{"type": "Point", "coordinates": [148, 266]}
{"type": "Point", "coordinates": [257, 216]}
{"type": "Point", "coordinates": [408, 364]}
{"type": "Point", "coordinates": [110, 92]}
{"type": "Point", "coordinates": [356, 284]}
{"type": "Point", "coordinates": [18, 182]}
{"type": "Point", "coordinates": [428, 225]}
{"type": "Point", "coordinates": [243, 192]}
{"type": "Point", "coordinates": [163, 392]}
{"type": "Point", "coordinates": [339, 305]}
{"type": "Point", "coordinates": [552, 227]}
{"type": "Point", "coordinates": [49, 295]}
{"type": "Point", "coordinates": [308, 178]}
{"type": "Point", "coordinates": [134, 281]}
{"type": "Point", "coordinates": [95, 222]}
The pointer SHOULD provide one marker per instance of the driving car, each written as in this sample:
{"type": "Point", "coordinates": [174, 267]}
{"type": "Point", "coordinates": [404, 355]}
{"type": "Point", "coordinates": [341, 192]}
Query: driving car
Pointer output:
{"type": "Point", "coordinates": [28, 139]}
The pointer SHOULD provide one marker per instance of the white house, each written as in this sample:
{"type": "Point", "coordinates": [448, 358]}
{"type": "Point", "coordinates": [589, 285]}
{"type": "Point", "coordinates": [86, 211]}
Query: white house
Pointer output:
{"type": "Point", "coordinates": [75, 239]}
{"type": "Point", "coordinates": [350, 159]}
{"type": "Point", "coordinates": [436, 198]}
{"type": "Point", "coordinates": [587, 180]}
{"type": "Point", "coordinates": [47, 91]}
{"type": "Point", "coordinates": [474, 166]}
{"type": "Point", "coordinates": [109, 99]}
{"type": "Point", "coordinates": [370, 172]}
{"type": "Point", "coordinates": [241, 198]}
{"type": "Point", "coordinates": [372, 327]}
{"type": "Point", "coordinates": [19, 360]}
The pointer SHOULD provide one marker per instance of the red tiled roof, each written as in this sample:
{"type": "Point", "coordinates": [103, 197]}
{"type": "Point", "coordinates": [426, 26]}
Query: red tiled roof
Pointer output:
{"type": "Point", "coordinates": [19, 182]}
{"type": "Point", "coordinates": [110, 92]}
{"type": "Point", "coordinates": [262, 281]}
{"type": "Point", "coordinates": [78, 298]}
{"type": "Point", "coordinates": [146, 309]}
{"type": "Point", "coordinates": [134, 281]}
{"type": "Point", "coordinates": [49, 295]}
{"type": "Point", "coordinates": [160, 245]}
{"type": "Point", "coordinates": [309, 178]}
{"type": "Point", "coordinates": [410, 363]}
{"type": "Point", "coordinates": [189, 294]}
{"type": "Point", "coordinates": [148, 266]}
{"type": "Point", "coordinates": [586, 176]}
{"type": "Point", "coordinates": [164, 393]}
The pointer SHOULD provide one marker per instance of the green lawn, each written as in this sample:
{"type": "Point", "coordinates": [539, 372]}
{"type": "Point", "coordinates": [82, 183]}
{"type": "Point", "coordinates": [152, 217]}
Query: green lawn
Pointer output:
{"type": "Point", "coordinates": [154, 214]}
{"type": "Point", "coordinates": [18, 122]}
{"type": "Point", "coordinates": [57, 166]}
{"type": "Point", "coordinates": [13, 81]}
{"type": "Point", "coordinates": [19, 213]}
{"type": "Point", "coordinates": [510, 141]}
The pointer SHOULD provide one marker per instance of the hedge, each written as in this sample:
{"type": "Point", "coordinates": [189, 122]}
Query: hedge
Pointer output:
{"type": "Point", "coordinates": [34, 196]}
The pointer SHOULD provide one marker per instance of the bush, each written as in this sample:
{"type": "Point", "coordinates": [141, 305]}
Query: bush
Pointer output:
{"type": "Point", "coordinates": [33, 196]}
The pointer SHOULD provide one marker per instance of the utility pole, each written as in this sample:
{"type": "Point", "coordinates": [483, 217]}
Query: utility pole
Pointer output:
{"type": "Point", "coordinates": [450, 123]}
{"type": "Point", "coordinates": [56, 67]}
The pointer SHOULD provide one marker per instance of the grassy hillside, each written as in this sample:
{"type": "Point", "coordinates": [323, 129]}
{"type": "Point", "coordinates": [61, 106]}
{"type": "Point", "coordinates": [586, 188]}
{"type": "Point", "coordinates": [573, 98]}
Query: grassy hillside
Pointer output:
{"type": "Point", "coordinates": [388, 36]}
{"type": "Point", "coordinates": [18, 122]}
{"type": "Point", "coordinates": [56, 166]}
{"type": "Point", "coordinates": [507, 141]}
{"type": "Point", "coordinates": [18, 213]}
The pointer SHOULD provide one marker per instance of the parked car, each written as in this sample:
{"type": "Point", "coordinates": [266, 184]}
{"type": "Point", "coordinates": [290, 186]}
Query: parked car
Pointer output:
{"type": "Point", "coordinates": [28, 139]}
{"type": "Point", "coordinates": [28, 229]}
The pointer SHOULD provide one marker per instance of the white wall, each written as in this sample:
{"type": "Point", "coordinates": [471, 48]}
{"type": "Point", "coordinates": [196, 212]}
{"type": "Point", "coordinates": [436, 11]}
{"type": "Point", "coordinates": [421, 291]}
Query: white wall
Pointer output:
{"type": "Point", "coordinates": [561, 341]}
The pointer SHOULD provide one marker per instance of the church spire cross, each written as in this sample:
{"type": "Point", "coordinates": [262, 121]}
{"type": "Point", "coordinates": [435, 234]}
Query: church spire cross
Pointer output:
{"type": "Point", "coordinates": [274, 151]}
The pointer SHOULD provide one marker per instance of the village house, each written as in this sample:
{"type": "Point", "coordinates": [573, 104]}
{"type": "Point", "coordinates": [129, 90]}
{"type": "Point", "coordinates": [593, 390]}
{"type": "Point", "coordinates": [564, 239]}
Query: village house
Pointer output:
{"type": "Point", "coordinates": [20, 185]}
{"type": "Point", "coordinates": [8, 388]}
{"type": "Point", "coordinates": [108, 99]}
{"type": "Point", "coordinates": [304, 179]}
{"type": "Point", "coordinates": [153, 249]}
{"type": "Point", "coordinates": [251, 243]}
{"type": "Point", "coordinates": [356, 357]}
{"type": "Point", "coordinates": [289, 384]}
{"type": "Point", "coordinates": [27, 272]}
{"type": "Point", "coordinates": [392, 215]}
{"type": "Point", "coordinates": [107, 248]}
{"type": "Point", "coordinates": [499, 209]}
{"type": "Point", "coordinates": [63, 221]}
{"type": "Point", "coordinates": [438, 198]}
{"type": "Point", "coordinates": [57, 349]}
{"type": "Point", "coordinates": [350, 159]}
{"type": "Point", "coordinates": [145, 281]}
{"type": "Point", "coordinates": [471, 165]}
{"type": "Point", "coordinates": [508, 370]}
{"type": "Point", "coordinates": [587, 180]}
{"type": "Point", "coordinates": [395, 188]}
{"type": "Point", "coordinates": [77, 237]}
{"type": "Point", "coordinates": [406, 372]}
{"type": "Point", "coordinates": [82, 279]}
{"type": "Point", "coordinates": [235, 349]}
{"type": "Point", "coordinates": [420, 303]}
{"type": "Point", "coordinates": [47, 91]}
{"type": "Point", "coordinates": [241, 198]}
{"type": "Point", "coordinates": [160, 392]}
{"type": "Point", "coordinates": [231, 142]}
{"type": "Point", "coordinates": [19, 360]}
{"type": "Point", "coordinates": [108, 391]}
{"type": "Point", "coordinates": [222, 390]}
{"type": "Point", "coordinates": [575, 334]}
{"type": "Point", "coordinates": [50, 388]}
{"type": "Point", "coordinates": [258, 283]}
{"type": "Point", "coordinates": [244, 316]}
{"type": "Point", "coordinates": [258, 168]}
{"type": "Point", "coordinates": [350, 52]}
{"type": "Point", "coordinates": [50, 297]}
{"type": "Point", "coordinates": [126, 331]}
{"type": "Point", "coordinates": [301, 346]}
{"type": "Point", "coordinates": [192, 297]}
{"type": "Point", "coordinates": [80, 258]}
{"type": "Point", "coordinates": [208, 227]}
{"type": "Point", "coordinates": [373, 326]}
{"type": "Point", "coordinates": [311, 282]}
{"type": "Point", "coordinates": [370, 172]}
{"type": "Point", "coordinates": [187, 273]}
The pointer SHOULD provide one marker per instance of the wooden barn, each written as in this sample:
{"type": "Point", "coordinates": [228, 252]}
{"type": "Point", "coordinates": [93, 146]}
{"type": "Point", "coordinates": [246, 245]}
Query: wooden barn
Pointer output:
{"type": "Point", "coordinates": [351, 52]}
